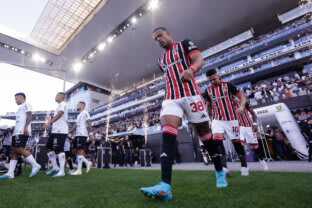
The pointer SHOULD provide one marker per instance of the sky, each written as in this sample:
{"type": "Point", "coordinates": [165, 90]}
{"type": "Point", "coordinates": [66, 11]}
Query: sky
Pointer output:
{"type": "Point", "coordinates": [40, 89]}
{"type": "Point", "coordinates": [20, 15]}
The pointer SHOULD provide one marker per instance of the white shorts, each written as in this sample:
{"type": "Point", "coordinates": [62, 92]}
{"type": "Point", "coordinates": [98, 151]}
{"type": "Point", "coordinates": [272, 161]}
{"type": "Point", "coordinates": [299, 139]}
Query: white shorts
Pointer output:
{"type": "Point", "coordinates": [193, 107]}
{"type": "Point", "coordinates": [229, 128]}
{"type": "Point", "coordinates": [246, 134]}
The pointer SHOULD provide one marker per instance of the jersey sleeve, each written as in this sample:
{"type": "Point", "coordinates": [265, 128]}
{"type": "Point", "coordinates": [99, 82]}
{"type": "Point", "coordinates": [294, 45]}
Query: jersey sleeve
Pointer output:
{"type": "Point", "coordinates": [189, 47]}
{"type": "Point", "coordinates": [28, 107]}
{"type": "Point", "coordinates": [233, 89]}
{"type": "Point", "coordinates": [88, 116]}
{"type": "Point", "coordinates": [206, 96]}
{"type": "Point", "coordinates": [62, 107]}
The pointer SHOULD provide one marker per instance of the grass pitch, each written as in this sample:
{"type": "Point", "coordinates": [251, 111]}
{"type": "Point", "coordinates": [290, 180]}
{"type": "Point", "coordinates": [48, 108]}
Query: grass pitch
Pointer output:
{"type": "Point", "coordinates": [120, 188]}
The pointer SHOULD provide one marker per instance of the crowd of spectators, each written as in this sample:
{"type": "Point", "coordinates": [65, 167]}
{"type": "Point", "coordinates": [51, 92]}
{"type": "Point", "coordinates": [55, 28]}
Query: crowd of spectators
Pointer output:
{"type": "Point", "coordinates": [279, 88]}
{"type": "Point", "coordinates": [131, 123]}
{"type": "Point", "coordinates": [252, 42]}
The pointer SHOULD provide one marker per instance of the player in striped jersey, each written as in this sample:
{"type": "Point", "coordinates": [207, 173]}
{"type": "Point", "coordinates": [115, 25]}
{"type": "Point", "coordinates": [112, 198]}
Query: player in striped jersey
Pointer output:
{"type": "Point", "coordinates": [247, 131]}
{"type": "Point", "coordinates": [221, 108]}
{"type": "Point", "coordinates": [179, 62]}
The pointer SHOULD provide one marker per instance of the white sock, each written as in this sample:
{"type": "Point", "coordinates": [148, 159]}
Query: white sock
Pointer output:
{"type": "Point", "coordinates": [12, 167]}
{"type": "Point", "coordinates": [52, 158]}
{"type": "Point", "coordinates": [79, 160]}
{"type": "Point", "coordinates": [205, 160]}
{"type": "Point", "coordinates": [61, 158]}
{"type": "Point", "coordinates": [31, 160]}
{"type": "Point", "coordinates": [85, 160]}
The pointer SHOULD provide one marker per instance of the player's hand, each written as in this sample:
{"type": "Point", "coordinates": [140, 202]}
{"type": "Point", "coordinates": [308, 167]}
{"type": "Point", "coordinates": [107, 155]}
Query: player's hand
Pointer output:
{"type": "Point", "coordinates": [45, 126]}
{"type": "Point", "coordinates": [240, 110]}
{"type": "Point", "coordinates": [187, 75]}
{"type": "Point", "coordinates": [254, 128]}
{"type": "Point", "coordinates": [26, 133]}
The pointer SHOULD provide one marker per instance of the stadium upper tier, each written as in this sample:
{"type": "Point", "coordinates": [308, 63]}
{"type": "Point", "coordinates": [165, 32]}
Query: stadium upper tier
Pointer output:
{"type": "Point", "coordinates": [258, 54]}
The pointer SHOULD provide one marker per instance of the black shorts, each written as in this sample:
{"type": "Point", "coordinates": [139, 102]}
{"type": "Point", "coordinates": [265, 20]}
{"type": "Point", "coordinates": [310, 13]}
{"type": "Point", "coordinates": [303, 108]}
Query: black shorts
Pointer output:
{"type": "Point", "coordinates": [68, 154]}
{"type": "Point", "coordinates": [80, 142]}
{"type": "Point", "coordinates": [56, 142]}
{"type": "Point", "coordinates": [19, 140]}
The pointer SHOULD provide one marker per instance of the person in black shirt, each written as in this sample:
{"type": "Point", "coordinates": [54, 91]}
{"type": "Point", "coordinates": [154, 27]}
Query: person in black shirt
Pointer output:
{"type": "Point", "coordinates": [307, 132]}
{"type": "Point", "coordinates": [116, 153]}
{"type": "Point", "coordinates": [127, 150]}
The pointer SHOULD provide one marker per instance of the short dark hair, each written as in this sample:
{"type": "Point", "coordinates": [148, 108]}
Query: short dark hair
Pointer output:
{"type": "Point", "coordinates": [21, 94]}
{"type": "Point", "coordinates": [310, 118]}
{"type": "Point", "coordinates": [62, 93]}
{"type": "Point", "coordinates": [160, 28]}
{"type": "Point", "coordinates": [82, 103]}
{"type": "Point", "coordinates": [211, 72]}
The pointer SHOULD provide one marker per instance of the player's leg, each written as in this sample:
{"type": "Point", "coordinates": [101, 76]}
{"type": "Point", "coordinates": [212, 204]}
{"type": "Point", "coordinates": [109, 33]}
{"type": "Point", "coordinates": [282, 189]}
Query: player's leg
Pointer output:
{"type": "Point", "coordinates": [196, 114]}
{"type": "Point", "coordinates": [69, 161]}
{"type": "Point", "coordinates": [232, 131]}
{"type": "Point", "coordinates": [211, 145]}
{"type": "Point", "coordinates": [81, 144]}
{"type": "Point", "coordinates": [223, 155]}
{"type": "Point", "coordinates": [170, 118]}
{"type": "Point", "coordinates": [51, 155]}
{"type": "Point", "coordinates": [13, 161]}
{"type": "Point", "coordinates": [203, 152]}
{"type": "Point", "coordinates": [28, 156]}
{"type": "Point", "coordinates": [251, 138]}
{"type": "Point", "coordinates": [59, 149]}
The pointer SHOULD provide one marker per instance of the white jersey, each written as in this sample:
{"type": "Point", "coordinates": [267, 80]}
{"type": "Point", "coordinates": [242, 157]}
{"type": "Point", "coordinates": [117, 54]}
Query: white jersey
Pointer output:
{"type": "Point", "coordinates": [67, 145]}
{"type": "Point", "coordinates": [82, 127]}
{"type": "Point", "coordinates": [60, 126]}
{"type": "Point", "coordinates": [21, 116]}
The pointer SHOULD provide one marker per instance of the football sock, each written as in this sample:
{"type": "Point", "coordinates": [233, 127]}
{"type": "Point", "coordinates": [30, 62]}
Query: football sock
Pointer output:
{"type": "Point", "coordinates": [169, 134]}
{"type": "Point", "coordinates": [61, 158]}
{"type": "Point", "coordinates": [52, 158]}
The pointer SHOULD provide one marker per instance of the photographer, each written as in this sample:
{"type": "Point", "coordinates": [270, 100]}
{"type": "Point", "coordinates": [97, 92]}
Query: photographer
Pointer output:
{"type": "Point", "coordinates": [307, 132]}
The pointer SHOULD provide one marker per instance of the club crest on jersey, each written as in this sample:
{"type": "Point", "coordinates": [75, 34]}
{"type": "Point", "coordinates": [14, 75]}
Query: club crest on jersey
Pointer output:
{"type": "Point", "coordinates": [224, 88]}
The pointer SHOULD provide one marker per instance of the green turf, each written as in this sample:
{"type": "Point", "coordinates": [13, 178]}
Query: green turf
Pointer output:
{"type": "Point", "coordinates": [120, 188]}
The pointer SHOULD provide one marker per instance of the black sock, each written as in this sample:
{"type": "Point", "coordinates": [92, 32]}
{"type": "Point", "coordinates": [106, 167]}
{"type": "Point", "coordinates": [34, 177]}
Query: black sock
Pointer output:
{"type": "Point", "coordinates": [70, 164]}
{"type": "Point", "coordinates": [222, 153]}
{"type": "Point", "coordinates": [212, 147]}
{"type": "Point", "coordinates": [241, 153]}
{"type": "Point", "coordinates": [167, 156]}
{"type": "Point", "coordinates": [258, 153]}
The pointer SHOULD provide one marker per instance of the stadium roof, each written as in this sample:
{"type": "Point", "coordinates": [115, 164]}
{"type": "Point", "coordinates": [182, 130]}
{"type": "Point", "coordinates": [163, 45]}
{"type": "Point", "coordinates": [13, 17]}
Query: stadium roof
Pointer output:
{"type": "Point", "coordinates": [66, 33]}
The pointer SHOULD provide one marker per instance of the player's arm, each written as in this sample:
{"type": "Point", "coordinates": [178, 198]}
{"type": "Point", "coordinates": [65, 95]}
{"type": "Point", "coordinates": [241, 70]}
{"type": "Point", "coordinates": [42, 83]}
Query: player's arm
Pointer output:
{"type": "Point", "coordinates": [197, 61]}
{"type": "Point", "coordinates": [254, 117]}
{"type": "Point", "coordinates": [55, 118]}
{"type": "Point", "coordinates": [28, 120]}
{"type": "Point", "coordinates": [89, 127]}
{"type": "Point", "coordinates": [233, 89]}
{"type": "Point", "coordinates": [73, 129]}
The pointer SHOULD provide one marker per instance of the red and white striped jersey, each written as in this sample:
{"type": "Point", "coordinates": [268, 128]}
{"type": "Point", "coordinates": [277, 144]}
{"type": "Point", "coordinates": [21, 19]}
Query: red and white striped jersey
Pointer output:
{"type": "Point", "coordinates": [172, 63]}
{"type": "Point", "coordinates": [244, 119]}
{"type": "Point", "coordinates": [222, 99]}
